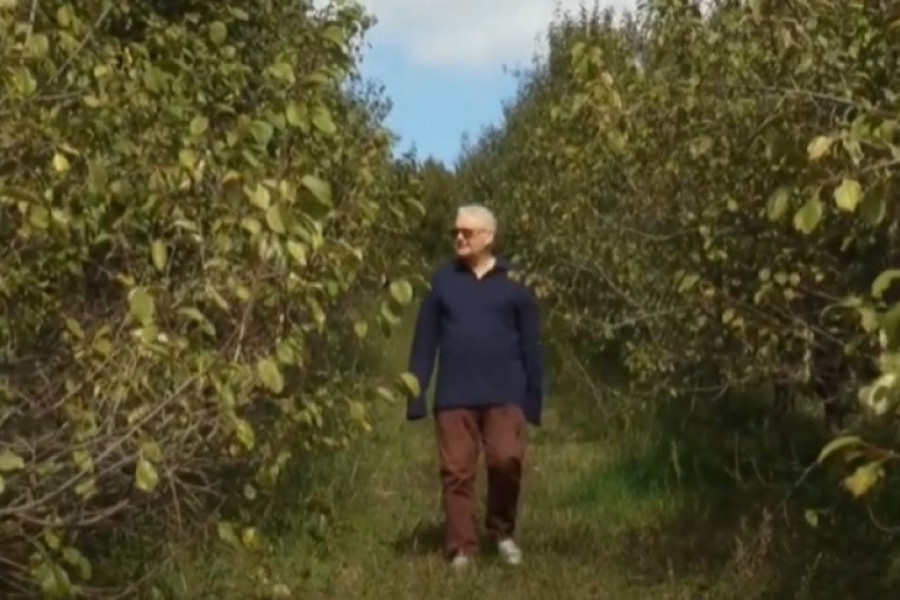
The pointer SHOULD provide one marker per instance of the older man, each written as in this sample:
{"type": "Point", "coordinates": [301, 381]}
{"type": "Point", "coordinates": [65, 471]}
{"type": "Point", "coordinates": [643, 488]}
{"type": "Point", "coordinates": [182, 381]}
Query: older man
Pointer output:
{"type": "Point", "coordinates": [485, 327]}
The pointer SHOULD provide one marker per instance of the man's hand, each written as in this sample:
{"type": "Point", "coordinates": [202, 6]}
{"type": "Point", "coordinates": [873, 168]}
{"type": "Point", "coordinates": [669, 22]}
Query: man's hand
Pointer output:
{"type": "Point", "coordinates": [415, 410]}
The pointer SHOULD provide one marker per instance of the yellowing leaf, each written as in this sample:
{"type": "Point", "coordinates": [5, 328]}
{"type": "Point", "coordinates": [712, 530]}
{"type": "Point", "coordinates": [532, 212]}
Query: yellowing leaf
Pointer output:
{"type": "Point", "coordinates": [862, 480]}
{"type": "Point", "coordinates": [187, 158]}
{"type": "Point", "coordinates": [218, 32]}
{"type": "Point", "coordinates": [812, 517]}
{"type": "Point", "coordinates": [145, 476]}
{"type": "Point", "coordinates": [837, 444]}
{"type": "Point", "coordinates": [410, 384]}
{"type": "Point", "coordinates": [320, 188]}
{"type": "Point", "coordinates": [819, 147]}
{"type": "Point", "coordinates": [250, 538]}
{"type": "Point", "coordinates": [807, 218]}
{"type": "Point", "coordinates": [158, 254]}
{"type": "Point", "coordinates": [270, 375]}
{"type": "Point", "coordinates": [848, 195]}
{"type": "Point", "coordinates": [60, 163]}
{"type": "Point", "coordinates": [10, 461]}
{"type": "Point", "coordinates": [361, 328]}
{"type": "Point", "coordinates": [401, 291]}
{"type": "Point", "coordinates": [2, 485]}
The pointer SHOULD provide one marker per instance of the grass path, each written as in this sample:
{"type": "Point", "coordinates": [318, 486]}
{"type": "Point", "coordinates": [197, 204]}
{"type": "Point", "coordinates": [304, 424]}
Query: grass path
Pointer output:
{"type": "Point", "coordinates": [384, 534]}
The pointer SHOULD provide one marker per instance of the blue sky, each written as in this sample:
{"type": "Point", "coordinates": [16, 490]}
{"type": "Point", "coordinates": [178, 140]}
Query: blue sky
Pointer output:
{"type": "Point", "coordinates": [441, 62]}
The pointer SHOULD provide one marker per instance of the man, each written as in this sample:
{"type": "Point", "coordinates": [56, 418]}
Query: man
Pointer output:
{"type": "Point", "coordinates": [485, 327]}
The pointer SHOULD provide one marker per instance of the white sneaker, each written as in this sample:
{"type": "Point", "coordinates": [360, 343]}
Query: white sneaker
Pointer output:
{"type": "Point", "coordinates": [460, 562]}
{"type": "Point", "coordinates": [510, 552]}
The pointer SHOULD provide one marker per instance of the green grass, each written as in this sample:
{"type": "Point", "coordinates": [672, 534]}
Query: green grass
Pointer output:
{"type": "Point", "coordinates": [590, 510]}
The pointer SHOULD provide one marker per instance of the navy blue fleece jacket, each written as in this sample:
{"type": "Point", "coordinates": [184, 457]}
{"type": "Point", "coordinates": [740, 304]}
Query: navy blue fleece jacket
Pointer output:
{"type": "Point", "coordinates": [486, 335]}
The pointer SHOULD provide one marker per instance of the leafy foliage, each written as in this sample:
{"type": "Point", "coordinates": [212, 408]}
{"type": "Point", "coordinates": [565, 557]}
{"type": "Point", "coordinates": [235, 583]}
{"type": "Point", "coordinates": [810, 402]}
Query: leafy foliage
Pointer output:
{"type": "Point", "coordinates": [192, 200]}
{"type": "Point", "coordinates": [711, 189]}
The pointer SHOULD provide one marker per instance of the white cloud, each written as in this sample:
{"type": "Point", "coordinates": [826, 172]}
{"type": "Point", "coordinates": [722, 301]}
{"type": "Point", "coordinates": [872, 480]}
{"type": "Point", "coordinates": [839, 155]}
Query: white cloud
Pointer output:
{"type": "Point", "coordinates": [468, 33]}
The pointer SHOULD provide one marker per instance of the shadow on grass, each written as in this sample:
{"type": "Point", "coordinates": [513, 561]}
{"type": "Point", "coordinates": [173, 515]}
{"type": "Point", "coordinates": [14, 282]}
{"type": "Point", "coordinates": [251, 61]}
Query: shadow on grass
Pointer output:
{"type": "Point", "coordinates": [425, 537]}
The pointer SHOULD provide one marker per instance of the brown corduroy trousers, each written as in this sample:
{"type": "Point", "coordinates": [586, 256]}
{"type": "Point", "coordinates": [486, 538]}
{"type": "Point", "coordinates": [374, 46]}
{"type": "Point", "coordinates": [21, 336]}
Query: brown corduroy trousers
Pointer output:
{"type": "Point", "coordinates": [461, 432]}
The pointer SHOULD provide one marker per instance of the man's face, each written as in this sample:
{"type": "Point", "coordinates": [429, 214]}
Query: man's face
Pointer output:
{"type": "Point", "coordinates": [471, 237]}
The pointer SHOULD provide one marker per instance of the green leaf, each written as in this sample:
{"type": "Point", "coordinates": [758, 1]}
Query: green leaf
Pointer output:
{"type": "Point", "coordinates": [2, 485]}
{"type": "Point", "coordinates": [401, 291]}
{"type": "Point", "coordinates": [884, 281]}
{"type": "Point", "coordinates": [807, 218]}
{"type": "Point", "coordinates": [319, 188]}
{"type": "Point", "coordinates": [283, 71]}
{"type": "Point", "coordinates": [864, 478]}
{"type": "Point", "coordinates": [39, 217]}
{"type": "Point", "coordinates": [335, 34]}
{"type": "Point", "coordinates": [270, 375]}
{"type": "Point", "coordinates": [227, 534]}
{"type": "Point", "coordinates": [245, 433]}
{"type": "Point", "coordinates": [361, 328]}
{"type": "Point", "coordinates": [838, 444]}
{"type": "Point", "coordinates": [145, 476]}
{"type": "Point", "coordinates": [778, 202]}
{"type": "Point", "coordinates": [77, 560]}
{"type": "Point", "coordinates": [273, 219]}
{"type": "Point", "coordinates": [141, 305]}
{"type": "Point", "coordinates": [252, 225]}
{"type": "Point", "coordinates": [52, 580]}
{"type": "Point", "coordinates": [296, 114]}
{"type": "Point", "coordinates": [259, 197]}
{"type": "Point", "coordinates": [151, 451]}
{"type": "Point", "coordinates": [218, 33]}
{"type": "Point", "coordinates": [65, 16]}
{"type": "Point", "coordinates": [297, 251]}
{"type": "Point", "coordinates": [262, 132]}
{"type": "Point", "coordinates": [10, 461]}
{"type": "Point", "coordinates": [357, 412]}
{"type": "Point", "coordinates": [37, 46]}
{"type": "Point", "coordinates": [321, 118]}
{"type": "Point", "coordinates": [159, 254]}
{"type": "Point", "coordinates": [410, 384]}
{"type": "Point", "coordinates": [848, 195]}
{"type": "Point", "coordinates": [199, 125]}
{"type": "Point", "coordinates": [873, 209]}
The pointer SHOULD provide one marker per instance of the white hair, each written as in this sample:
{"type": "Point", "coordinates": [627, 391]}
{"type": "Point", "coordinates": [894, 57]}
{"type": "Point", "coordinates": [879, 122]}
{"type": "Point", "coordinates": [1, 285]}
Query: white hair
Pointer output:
{"type": "Point", "coordinates": [482, 213]}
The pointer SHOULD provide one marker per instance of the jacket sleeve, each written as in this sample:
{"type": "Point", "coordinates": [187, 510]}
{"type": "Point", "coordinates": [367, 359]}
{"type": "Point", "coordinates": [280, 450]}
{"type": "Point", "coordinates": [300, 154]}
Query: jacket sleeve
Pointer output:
{"type": "Point", "coordinates": [532, 356]}
{"type": "Point", "coordinates": [422, 353]}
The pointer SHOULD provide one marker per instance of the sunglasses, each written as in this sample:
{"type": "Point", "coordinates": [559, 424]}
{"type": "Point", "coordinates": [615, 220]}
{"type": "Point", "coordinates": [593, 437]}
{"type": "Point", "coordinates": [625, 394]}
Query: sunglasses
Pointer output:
{"type": "Point", "coordinates": [466, 232]}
